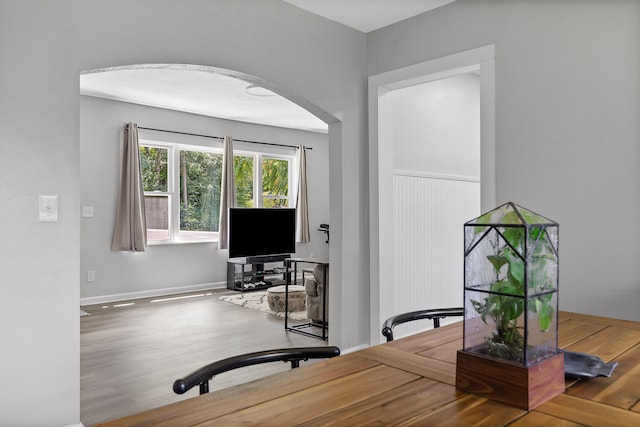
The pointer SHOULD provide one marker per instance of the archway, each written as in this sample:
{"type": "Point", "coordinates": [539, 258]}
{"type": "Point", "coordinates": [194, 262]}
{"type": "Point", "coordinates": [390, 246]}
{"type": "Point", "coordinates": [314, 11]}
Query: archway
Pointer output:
{"type": "Point", "coordinates": [192, 257]}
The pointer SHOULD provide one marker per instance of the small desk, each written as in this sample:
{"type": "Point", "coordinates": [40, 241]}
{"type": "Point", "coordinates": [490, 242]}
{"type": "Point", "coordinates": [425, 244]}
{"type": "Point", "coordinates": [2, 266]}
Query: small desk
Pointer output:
{"type": "Point", "coordinates": [410, 381]}
{"type": "Point", "coordinates": [304, 328]}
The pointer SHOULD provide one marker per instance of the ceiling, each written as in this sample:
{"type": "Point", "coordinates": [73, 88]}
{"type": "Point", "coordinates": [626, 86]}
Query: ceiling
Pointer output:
{"type": "Point", "coordinates": [197, 90]}
{"type": "Point", "coordinates": [204, 91]}
{"type": "Point", "coordinates": [368, 15]}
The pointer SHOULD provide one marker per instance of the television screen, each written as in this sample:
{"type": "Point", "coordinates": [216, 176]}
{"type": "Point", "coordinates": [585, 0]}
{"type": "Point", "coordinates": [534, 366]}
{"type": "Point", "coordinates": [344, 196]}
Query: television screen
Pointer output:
{"type": "Point", "coordinates": [261, 231]}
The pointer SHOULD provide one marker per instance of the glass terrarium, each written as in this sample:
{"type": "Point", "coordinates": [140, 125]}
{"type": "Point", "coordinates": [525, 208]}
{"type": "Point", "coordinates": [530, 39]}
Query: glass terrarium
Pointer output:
{"type": "Point", "coordinates": [511, 286]}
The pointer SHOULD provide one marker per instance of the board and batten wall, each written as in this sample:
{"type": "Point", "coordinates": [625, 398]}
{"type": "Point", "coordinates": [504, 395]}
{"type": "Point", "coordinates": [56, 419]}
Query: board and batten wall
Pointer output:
{"type": "Point", "coordinates": [436, 188]}
{"type": "Point", "coordinates": [170, 268]}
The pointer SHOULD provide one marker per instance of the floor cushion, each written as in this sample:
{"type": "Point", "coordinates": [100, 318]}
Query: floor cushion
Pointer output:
{"type": "Point", "coordinates": [297, 296]}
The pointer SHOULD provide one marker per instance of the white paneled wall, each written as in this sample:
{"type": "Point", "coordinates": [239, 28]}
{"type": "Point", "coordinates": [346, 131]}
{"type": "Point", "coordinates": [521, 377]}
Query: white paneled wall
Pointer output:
{"type": "Point", "coordinates": [429, 214]}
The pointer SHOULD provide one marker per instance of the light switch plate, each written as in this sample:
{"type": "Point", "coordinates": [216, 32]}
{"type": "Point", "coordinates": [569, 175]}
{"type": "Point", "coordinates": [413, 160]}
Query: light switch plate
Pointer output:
{"type": "Point", "coordinates": [48, 208]}
{"type": "Point", "coordinates": [87, 211]}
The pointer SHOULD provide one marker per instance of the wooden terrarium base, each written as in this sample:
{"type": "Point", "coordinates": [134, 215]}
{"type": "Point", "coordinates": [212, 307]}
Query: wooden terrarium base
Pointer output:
{"type": "Point", "coordinates": [510, 383]}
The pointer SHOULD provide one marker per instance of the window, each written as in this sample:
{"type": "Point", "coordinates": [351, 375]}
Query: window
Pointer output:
{"type": "Point", "coordinates": [157, 198]}
{"type": "Point", "coordinates": [182, 188]}
{"type": "Point", "coordinates": [275, 182]}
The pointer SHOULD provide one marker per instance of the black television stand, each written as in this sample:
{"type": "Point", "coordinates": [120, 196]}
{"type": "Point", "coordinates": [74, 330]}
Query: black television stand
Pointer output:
{"type": "Point", "coordinates": [261, 259]}
{"type": "Point", "coordinates": [258, 276]}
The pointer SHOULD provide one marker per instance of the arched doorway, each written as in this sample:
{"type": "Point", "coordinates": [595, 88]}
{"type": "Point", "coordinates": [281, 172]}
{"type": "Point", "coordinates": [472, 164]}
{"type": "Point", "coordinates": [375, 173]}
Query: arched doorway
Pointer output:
{"type": "Point", "coordinates": [100, 130]}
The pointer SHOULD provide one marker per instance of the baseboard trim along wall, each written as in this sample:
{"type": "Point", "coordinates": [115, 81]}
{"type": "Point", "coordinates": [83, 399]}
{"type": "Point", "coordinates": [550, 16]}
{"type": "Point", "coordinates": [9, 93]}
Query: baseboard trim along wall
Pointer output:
{"type": "Point", "coordinates": [354, 349]}
{"type": "Point", "coordinates": [102, 299]}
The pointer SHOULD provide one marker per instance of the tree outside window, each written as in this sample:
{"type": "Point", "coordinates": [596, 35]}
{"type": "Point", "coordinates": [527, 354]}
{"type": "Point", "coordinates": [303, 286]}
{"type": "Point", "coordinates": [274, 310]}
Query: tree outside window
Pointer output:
{"type": "Point", "coordinates": [155, 178]}
{"type": "Point", "coordinates": [200, 179]}
{"type": "Point", "coordinates": [243, 174]}
{"type": "Point", "coordinates": [275, 182]}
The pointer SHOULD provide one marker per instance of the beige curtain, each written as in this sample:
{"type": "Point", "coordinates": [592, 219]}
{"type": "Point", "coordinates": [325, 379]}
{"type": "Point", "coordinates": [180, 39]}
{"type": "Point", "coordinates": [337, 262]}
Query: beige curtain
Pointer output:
{"type": "Point", "coordinates": [227, 193]}
{"type": "Point", "coordinates": [303, 234]}
{"type": "Point", "coordinates": [130, 232]}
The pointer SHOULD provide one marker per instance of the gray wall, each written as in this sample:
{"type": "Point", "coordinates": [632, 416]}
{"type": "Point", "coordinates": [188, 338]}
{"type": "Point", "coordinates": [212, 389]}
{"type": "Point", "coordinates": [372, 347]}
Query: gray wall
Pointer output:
{"type": "Point", "coordinates": [567, 129]}
{"type": "Point", "coordinates": [44, 46]}
{"type": "Point", "coordinates": [179, 267]}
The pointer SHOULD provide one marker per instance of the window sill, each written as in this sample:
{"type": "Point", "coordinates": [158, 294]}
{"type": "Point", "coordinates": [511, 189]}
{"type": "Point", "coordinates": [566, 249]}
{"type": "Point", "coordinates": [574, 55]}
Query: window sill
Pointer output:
{"type": "Point", "coordinates": [179, 242]}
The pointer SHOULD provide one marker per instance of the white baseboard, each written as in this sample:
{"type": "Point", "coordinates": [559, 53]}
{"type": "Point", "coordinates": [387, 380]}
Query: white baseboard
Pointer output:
{"type": "Point", "coordinates": [353, 349]}
{"type": "Point", "coordinates": [76, 425]}
{"type": "Point", "coordinates": [102, 299]}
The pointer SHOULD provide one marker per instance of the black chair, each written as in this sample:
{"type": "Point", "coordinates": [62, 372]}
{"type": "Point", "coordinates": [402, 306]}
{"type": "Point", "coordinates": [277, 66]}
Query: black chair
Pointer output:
{"type": "Point", "coordinates": [294, 355]}
{"type": "Point", "coordinates": [434, 314]}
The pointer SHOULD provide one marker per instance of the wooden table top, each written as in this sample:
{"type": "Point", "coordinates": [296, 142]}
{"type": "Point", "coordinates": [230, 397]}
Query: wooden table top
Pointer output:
{"type": "Point", "coordinates": [411, 381]}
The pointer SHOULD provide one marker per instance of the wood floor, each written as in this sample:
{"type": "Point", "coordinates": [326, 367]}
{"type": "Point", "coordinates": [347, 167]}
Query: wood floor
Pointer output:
{"type": "Point", "coordinates": [130, 355]}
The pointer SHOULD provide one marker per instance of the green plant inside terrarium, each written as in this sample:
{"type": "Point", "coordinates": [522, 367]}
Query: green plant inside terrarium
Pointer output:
{"type": "Point", "coordinates": [507, 340]}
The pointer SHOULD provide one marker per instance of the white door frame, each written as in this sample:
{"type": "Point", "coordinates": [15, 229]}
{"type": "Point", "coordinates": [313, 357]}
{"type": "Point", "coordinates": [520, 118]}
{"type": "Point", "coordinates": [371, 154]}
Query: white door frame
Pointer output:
{"type": "Point", "coordinates": [381, 160]}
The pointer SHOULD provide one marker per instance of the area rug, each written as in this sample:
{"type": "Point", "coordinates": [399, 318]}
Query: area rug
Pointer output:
{"type": "Point", "coordinates": [257, 300]}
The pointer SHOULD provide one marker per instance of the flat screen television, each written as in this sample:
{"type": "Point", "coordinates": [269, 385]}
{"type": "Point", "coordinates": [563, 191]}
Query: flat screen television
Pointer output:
{"type": "Point", "coordinates": [260, 232]}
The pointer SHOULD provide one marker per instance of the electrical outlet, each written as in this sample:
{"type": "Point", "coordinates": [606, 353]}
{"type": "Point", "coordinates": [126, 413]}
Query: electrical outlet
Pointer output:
{"type": "Point", "coordinates": [91, 276]}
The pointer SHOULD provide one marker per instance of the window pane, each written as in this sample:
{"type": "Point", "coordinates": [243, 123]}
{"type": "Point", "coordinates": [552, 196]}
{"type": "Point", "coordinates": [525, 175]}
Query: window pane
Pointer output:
{"type": "Point", "coordinates": [270, 202]}
{"type": "Point", "coordinates": [157, 215]}
{"type": "Point", "coordinates": [275, 182]}
{"type": "Point", "coordinates": [243, 170]}
{"type": "Point", "coordinates": [153, 162]}
{"type": "Point", "coordinates": [200, 179]}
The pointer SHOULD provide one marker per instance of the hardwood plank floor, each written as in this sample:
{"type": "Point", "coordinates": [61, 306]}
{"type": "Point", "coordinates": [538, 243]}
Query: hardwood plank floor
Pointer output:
{"type": "Point", "coordinates": [131, 355]}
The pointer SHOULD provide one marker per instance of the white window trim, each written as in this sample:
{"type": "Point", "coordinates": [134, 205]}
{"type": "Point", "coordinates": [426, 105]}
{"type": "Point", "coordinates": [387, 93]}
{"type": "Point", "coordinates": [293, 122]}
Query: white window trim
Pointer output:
{"type": "Point", "coordinates": [173, 190]}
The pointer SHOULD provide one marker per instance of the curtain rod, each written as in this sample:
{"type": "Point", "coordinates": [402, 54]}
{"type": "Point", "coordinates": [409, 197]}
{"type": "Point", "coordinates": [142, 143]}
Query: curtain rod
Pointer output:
{"type": "Point", "coordinates": [222, 139]}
